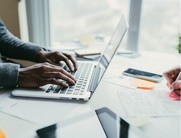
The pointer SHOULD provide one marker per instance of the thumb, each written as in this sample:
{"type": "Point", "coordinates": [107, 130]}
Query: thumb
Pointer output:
{"type": "Point", "coordinates": [176, 85]}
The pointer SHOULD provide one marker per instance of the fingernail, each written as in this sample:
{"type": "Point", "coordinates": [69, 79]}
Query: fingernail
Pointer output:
{"type": "Point", "coordinates": [66, 85]}
{"type": "Point", "coordinates": [72, 82]}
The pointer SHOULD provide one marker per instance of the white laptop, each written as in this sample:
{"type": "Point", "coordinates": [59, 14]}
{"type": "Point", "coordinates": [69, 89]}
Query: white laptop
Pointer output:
{"type": "Point", "coordinates": [88, 75]}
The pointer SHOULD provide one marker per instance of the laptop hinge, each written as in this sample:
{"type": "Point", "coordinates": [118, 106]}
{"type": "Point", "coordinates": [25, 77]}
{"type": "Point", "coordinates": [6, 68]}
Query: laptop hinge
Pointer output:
{"type": "Point", "coordinates": [94, 79]}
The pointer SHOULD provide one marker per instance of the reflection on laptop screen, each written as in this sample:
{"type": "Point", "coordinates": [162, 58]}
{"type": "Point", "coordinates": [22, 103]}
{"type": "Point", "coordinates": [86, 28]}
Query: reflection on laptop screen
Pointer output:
{"type": "Point", "coordinates": [113, 45]}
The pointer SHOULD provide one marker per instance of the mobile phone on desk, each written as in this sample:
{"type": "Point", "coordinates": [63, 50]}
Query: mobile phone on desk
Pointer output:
{"type": "Point", "coordinates": [101, 123]}
{"type": "Point", "coordinates": [143, 75]}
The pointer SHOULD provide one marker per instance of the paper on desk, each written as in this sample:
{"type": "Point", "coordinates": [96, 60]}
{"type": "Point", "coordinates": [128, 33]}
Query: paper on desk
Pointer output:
{"type": "Point", "coordinates": [148, 103]}
{"type": "Point", "coordinates": [133, 83]}
{"type": "Point", "coordinates": [39, 111]}
{"type": "Point", "coordinates": [75, 115]}
{"type": "Point", "coordinates": [5, 102]}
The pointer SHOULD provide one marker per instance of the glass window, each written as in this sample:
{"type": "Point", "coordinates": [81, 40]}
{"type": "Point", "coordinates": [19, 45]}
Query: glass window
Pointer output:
{"type": "Point", "coordinates": [83, 20]}
{"type": "Point", "coordinates": [159, 28]}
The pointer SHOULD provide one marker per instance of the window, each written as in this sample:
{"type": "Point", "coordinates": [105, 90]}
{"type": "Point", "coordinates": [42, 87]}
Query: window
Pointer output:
{"type": "Point", "coordinates": [38, 21]}
{"type": "Point", "coordinates": [159, 27]}
{"type": "Point", "coordinates": [84, 20]}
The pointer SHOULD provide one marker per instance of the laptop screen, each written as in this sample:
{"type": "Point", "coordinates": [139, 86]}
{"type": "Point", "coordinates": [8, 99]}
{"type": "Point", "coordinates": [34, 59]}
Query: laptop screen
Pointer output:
{"type": "Point", "coordinates": [112, 46]}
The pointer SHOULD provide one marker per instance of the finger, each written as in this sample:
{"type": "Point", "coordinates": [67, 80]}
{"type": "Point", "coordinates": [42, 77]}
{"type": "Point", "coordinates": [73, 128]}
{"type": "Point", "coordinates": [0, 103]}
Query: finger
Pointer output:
{"type": "Point", "coordinates": [67, 74]}
{"type": "Point", "coordinates": [58, 70]}
{"type": "Point", "coordinates": [176, 85]}
{"type": "Point", "coordinates": [178, 92]}
{"type": "Point", "coordinates": [168, 85]}
{"type": "Point", "coordinates": [58, 75]}
{"type": "Point", "coordinates": [58, 56]}
{"type": "Point", "coordinates": [67, 61]}
{"type": "Point", "coordinates": [47, 67]}
{"type": "Point", "coordinates": [73, 60]}
{"type": "Point", "coordinates": [168, 77]}
{"type": "Point", "coordinates": [53, 81]}
{"type": "Point", "coordinates": [172, 73]}
{"type": "Point", "coordinates": [53, 68]}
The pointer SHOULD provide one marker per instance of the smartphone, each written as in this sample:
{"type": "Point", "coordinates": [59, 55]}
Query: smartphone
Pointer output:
{"type": "Point", "coordinates": [99, 123]}
{"type": "Point", "coordinates": [143, 75]}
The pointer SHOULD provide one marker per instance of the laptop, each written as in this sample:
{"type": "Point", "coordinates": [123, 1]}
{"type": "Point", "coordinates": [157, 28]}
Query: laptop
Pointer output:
{"type": "Point", "coordinates": [101, 123]}
{"type": "Point", "coordinates": [88, 75]}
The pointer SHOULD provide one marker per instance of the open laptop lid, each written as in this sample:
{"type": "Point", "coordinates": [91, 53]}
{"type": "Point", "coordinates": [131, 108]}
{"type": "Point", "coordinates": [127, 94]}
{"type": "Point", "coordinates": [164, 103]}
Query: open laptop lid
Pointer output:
{"type": "Point", "coordinates": [111, 48]}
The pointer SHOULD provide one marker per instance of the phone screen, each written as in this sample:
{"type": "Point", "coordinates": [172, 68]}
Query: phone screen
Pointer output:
{"type": "Point", "coordinates": [143, 74]}
{"type": "Point", "coordinates": [100, 123]}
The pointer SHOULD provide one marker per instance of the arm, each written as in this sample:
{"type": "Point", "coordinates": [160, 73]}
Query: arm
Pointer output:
{"type": "Point", "coordinates": [12, 47]}
{"type": "Point", "coordinates": [8, 74]}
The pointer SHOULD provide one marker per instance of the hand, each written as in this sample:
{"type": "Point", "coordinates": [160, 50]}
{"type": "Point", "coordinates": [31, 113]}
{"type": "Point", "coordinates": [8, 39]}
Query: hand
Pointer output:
{"type": "Point", "coordinates": [176, 87]}
{"type": "Point", "coordinates": [171, 76]}
{"type": "Point", "coordinates": [55, 58]}
{"type": "Point", "coordinates": [42, 74]}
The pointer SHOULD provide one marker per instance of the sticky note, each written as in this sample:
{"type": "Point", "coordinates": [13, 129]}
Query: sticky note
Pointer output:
{"type": "Point", "coordinates": [142, 84]}
{"type": "Point", "coordinates": [2, 134]}
{"type": "Point", "coordinates": [174, 96]}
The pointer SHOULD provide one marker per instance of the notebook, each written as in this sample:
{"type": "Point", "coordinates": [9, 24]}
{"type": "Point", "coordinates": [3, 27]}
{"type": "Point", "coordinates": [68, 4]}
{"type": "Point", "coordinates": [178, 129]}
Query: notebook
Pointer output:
{"type": "Point", "coordinates": [88, 75]}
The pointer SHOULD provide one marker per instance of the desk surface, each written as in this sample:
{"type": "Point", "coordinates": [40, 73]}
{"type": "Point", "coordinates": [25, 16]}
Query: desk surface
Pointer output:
{"type": "Point", "coordinates": [106, 95]}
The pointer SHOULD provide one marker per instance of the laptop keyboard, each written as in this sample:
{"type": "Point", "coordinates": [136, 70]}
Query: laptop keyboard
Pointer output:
{"type": "Point", "coordinates": [81, 76]}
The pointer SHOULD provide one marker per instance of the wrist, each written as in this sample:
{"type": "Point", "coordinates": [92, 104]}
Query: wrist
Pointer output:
{"type": "Point", "coordinates": [41, 55]}
{"type": "Point", "coordinates": [20, 76]}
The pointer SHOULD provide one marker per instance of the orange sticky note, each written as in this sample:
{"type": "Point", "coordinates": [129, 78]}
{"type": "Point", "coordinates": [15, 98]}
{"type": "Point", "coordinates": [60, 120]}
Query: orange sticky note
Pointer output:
{"type": "Point", "coordinates": [2, 134]}
{"type": "Point", "coordinates": [142, 84]}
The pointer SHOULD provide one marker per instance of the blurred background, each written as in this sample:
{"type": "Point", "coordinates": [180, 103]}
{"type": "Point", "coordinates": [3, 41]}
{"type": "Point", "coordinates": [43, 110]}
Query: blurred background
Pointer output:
{"type": "Point", "coordinates": [59, 23]}
{"type": "Point", "coordinates": [159, 23]}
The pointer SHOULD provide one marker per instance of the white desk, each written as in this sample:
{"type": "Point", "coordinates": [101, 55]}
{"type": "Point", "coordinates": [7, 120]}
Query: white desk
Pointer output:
{"type": "Point", "coordinates": [106, 95]}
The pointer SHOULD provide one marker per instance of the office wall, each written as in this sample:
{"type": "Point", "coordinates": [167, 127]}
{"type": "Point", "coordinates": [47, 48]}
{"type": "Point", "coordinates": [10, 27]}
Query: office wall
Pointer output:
{"type": "Point", "coordinates": [9, 14]}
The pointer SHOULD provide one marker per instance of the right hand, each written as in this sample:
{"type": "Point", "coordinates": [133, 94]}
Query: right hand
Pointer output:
{"type": "Point", "coordinates": [171, 76]}
{"type": "Point", "coordinates": [44, 73]}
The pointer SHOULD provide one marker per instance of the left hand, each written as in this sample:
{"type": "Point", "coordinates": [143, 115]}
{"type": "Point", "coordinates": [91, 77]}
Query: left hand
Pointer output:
{"type": "Point", "coordinates": [54, 57]}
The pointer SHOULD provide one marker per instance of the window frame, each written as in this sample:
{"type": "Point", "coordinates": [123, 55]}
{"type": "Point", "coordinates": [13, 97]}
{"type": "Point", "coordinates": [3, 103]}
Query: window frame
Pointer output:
{"type": "Point", "coordinates": [39, 22]}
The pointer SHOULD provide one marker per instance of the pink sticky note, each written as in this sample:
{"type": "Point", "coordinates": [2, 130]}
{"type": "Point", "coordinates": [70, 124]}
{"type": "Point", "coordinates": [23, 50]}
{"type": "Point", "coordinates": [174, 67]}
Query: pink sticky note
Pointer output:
{"type": "Point", "coordinates": [174, 96]}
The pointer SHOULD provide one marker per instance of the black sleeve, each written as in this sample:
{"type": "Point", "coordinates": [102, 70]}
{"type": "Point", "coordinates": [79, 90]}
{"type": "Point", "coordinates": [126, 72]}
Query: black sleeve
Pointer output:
{"type": "Point", "coordinates": [13, 47]}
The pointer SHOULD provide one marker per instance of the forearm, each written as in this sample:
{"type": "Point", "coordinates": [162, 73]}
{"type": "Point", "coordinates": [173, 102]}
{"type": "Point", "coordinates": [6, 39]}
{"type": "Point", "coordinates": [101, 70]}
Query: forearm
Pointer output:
{"type": "Point", "coordinates": [13, 47]}
{"type": "Point", "coordinates": [8, 74]}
